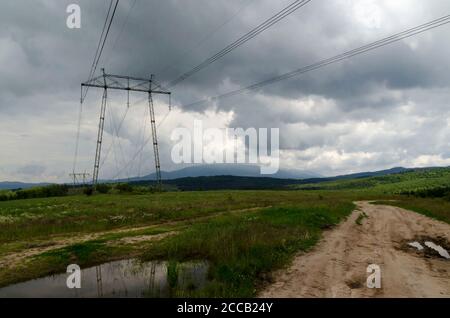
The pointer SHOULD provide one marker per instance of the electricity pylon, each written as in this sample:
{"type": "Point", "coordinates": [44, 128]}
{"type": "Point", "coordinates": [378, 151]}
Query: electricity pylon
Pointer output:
{"type": "Point", "coordinates": [79, 176]}
{"type": "Point", "coordinates": [129, 84]}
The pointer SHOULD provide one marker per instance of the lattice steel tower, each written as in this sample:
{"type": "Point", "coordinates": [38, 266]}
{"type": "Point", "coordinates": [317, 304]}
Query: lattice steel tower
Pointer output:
{"type": "Point", "coordinates": [129, 84]}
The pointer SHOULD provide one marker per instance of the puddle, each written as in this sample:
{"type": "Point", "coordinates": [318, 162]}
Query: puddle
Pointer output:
{"type": "Point", "coordinates": [443, 252]}
{"type": "Point", "coordinates": [416, 245]}
{"type": "Point", "coordinates": [430, 247]}
{"type": "Point", "coordinates": [125, 278]}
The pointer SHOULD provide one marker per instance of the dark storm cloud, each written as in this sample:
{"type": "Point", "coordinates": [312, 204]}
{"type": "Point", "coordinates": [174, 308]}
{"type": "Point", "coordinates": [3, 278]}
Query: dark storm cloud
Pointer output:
{"type": "Point", "coordinates": [161, 36]}
{"type": "Point", "coordinates": [392, 101]}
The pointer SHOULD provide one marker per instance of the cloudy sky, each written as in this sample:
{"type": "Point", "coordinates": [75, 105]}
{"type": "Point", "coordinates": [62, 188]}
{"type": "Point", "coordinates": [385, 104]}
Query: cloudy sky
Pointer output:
{"type": "Point", "coordinates": [382, 109]}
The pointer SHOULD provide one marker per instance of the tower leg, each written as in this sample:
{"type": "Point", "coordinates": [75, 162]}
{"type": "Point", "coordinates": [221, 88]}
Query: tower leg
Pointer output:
{"type": "Point", "coordinates": [155, 142]}
{"type": "Point", "coordinates": [99, 138]}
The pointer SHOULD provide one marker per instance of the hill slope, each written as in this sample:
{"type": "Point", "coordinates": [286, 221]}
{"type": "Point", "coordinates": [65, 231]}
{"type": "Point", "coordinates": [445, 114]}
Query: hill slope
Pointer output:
{"type": "Point", "coordinates": [393, 180]}
{"type": "Point", "coordinates": [408, 180]}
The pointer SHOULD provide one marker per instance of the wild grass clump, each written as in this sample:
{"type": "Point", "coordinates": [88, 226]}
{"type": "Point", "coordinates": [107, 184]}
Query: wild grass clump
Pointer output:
{"type": "Point", "coordinates": [241, 249]}
{"type": "Point", "coordinates": [360, 218]}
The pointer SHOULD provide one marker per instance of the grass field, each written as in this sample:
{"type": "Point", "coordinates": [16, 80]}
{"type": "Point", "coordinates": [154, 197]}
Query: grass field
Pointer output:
{"type": "Point", "coordinates": [233, 226]}
{"type": "Point", "coordinates": [243, 235]}
{"type": "Point", "coordinates": [39, 218]}
{"type": "Point", "coordinates": [242, 248]}
{"type": "Point", "coordinates": [389, 184]}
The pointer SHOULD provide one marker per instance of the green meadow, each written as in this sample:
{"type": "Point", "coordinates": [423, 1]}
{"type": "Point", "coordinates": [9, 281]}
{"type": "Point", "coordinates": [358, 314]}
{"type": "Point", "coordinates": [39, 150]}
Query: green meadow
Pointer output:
{"type": "Point", "coordinates": [243, 235]}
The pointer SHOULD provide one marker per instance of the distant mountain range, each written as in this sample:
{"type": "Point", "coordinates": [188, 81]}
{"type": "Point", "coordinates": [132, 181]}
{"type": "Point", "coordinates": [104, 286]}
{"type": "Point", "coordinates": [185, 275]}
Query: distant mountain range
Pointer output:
{"type": "Point", "coordinates": [227, 170]}
{"type": "Point", "coordinates": [228, 182]}
{"type": "Point", "coordinates": [8, 185]}
{"type": "Point", "coordinates": [231, 176]}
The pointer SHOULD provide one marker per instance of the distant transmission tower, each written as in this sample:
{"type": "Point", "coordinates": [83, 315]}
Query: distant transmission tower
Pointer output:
{"type": "Point", "coordinates": [125, 83]}
{"type": "Point", "coordinates": [77, 177]}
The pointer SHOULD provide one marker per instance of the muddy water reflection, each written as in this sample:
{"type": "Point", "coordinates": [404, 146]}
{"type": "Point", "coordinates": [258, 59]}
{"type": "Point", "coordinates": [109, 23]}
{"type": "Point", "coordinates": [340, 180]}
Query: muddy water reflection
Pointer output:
{"type": "Point", "coordinates": [125, 278]}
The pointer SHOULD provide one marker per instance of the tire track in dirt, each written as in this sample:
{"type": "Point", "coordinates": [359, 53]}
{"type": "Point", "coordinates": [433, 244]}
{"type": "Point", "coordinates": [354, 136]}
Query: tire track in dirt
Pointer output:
{"type": "Point", "coordinates": [336, 267]}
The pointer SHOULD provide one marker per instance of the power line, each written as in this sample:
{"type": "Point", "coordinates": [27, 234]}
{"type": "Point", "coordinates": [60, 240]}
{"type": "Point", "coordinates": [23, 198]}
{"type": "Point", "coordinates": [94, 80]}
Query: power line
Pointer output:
{"type": "Point", "coordinates": [115, 135]}
{"type": "Point", "coordinates": [77, 140]}
{"type": "Point", "coordinates": [83, 97]}
{"type": "Point", "coordinates": [99, 55]}
{"type": "Point", "coordinates": [106, 36]}
{"type": "Point", "coordinates": [112, 141]}
{"type": "Point", "coordinates": [122, 29]}
{"type": "Point", "coordinates": [363, 49]}
{"type": "Point", "coordinates": [143, 139]}
{"type": "Point", "coordinates": [139, 151]}
{"type": "Point", "coordinates": [136, 154]}
{"type": "Point", "coordinates": [205, 38]}
{"type": "Point", "coordinates": [243, 39]}
{"type": "Point", "coordinates": [100, 40]}
{"type": "Point", "coordinates": [118, 131]}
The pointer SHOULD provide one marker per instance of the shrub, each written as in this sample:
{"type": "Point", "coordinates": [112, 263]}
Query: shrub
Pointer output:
{"type": "Point", "coordinates": [54, 190]}
{"type": "Point", "coordinates": [124, 187]}
{"type": "Point", "coordinates": [102, 188]}
{"type": "Point", "coordinates": [88, 191]}
{"type": "Point", "coordinates": [436, 192]}
{"type": "Point", "coordinates": [7, 195]}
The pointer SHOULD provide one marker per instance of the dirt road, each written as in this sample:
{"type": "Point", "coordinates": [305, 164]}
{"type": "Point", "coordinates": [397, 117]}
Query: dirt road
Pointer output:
{"type": "Point", "coordinates": [336, 267]}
